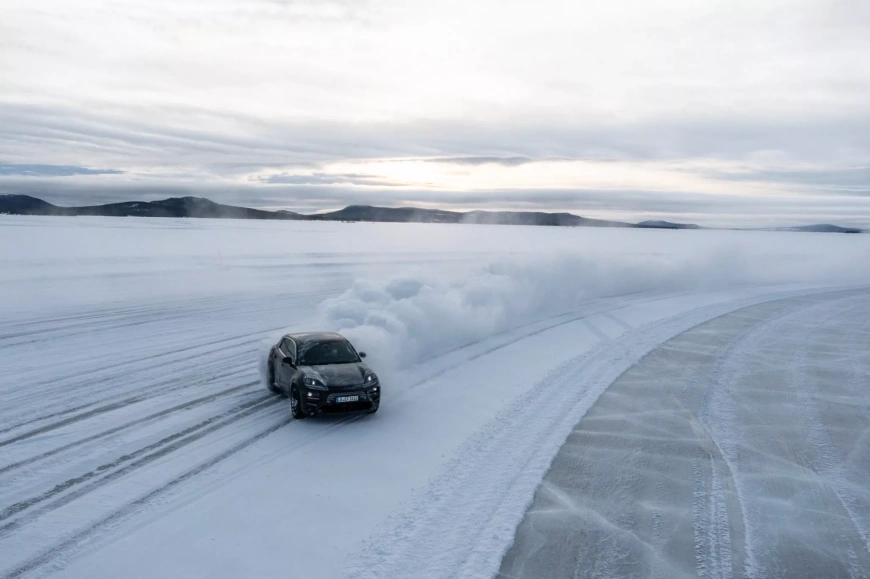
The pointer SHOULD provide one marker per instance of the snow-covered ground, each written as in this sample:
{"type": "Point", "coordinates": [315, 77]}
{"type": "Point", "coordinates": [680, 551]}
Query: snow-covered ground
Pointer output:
{"type": "Point", "coordinates": [137, 440]}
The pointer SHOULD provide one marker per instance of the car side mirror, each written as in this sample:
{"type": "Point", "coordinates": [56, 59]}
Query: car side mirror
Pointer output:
{"type": "Point", "coordinates": [362, 354]}
{"type": "Point", "coordinates": [288, 360]}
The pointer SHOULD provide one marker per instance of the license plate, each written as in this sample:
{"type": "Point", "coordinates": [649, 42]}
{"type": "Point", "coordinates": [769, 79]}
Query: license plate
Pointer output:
{"type": "Point", "coordinates": [346, 398]}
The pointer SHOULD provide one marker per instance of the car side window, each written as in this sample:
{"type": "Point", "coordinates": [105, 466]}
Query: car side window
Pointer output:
{"type": "Point", "coordinates": [289, 348]}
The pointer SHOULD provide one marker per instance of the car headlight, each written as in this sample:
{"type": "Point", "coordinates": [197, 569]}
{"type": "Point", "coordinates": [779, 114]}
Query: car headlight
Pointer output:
{"type": "Point", "coordinates": [371, 377]}
{"type": "Point", "coordinates": [313, 383]}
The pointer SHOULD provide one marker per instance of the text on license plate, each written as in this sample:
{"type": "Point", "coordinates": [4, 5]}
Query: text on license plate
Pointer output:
{"type": "Point", "coordinates": [346, 398]}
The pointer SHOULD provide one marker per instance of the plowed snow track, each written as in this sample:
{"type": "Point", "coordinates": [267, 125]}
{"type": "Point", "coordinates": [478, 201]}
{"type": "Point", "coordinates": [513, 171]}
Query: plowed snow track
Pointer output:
{"type": "Point", "coordinates": [744, 421]}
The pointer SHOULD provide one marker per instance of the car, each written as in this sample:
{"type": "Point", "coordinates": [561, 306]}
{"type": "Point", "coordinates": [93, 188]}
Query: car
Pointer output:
{"type": "Point", "coordinates": [322, 373]}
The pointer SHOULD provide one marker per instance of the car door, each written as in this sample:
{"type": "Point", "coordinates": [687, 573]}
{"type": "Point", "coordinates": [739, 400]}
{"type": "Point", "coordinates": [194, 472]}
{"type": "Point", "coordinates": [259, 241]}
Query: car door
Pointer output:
{"type": "Point", "coordinates": [286, 371]}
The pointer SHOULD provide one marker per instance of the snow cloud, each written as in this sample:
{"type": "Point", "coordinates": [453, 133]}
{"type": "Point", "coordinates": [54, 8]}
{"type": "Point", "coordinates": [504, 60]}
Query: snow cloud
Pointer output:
{"type": "Point", "coordinates": [407, 318]}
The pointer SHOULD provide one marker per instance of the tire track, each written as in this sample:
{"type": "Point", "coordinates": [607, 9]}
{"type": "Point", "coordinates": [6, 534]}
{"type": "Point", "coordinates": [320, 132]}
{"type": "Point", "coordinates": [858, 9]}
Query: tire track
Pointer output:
{"type": "Point", "coordinates": [719, 409]}
{"type": "Point", "coordinates": [827, 464]}
{"type": "Point", "coordinates": [140, 458]}
{"type": "Point", "coordinates": [575, 317]}
{"type": "Point", "coordinates": [589, 303]}
{"type": "Point", "coordinates": [209, 348]}
{"type": "Point", "coordinates": [97, 320]}
{"type": "Point", "coordinates": [152, 390]}
{"type": "Point", "coordinates": [722, 455]}
{"type": "Point", "coordinates": [119, 368]}
{"type": "Point", "coordinates": [71, 542]}
{"type": "Point", "coordinates": [152, 393]}
{"type": "Point", "coordinates": [711, 523]}
{"type": "Point", "coordinates": [110, 320]}
{"type": "Point", "coordinates": [163, 413]}
{"type": "Point", "coordinates": [213, 352]}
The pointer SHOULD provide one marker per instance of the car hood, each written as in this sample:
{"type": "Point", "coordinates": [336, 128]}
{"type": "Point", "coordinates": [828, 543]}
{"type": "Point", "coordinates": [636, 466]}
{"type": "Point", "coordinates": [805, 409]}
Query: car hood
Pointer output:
{"type": "Point", "coordinates": [339, 374]}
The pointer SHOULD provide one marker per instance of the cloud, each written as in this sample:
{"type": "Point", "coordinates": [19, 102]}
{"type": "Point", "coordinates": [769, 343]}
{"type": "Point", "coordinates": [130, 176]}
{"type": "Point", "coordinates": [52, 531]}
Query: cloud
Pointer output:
{"type": "Point", "coordinates": [236, 100]}
{"type": "Point", "coordinates": [52, 170]}
{"type": "Point", "coordinates": [120, 134]}
{"type": "Point", "coordinates": [505, 161]}
{"type": "Point", "coordinates": [327, 179]}
{"type": "Point", "coordinates": [845, 181]}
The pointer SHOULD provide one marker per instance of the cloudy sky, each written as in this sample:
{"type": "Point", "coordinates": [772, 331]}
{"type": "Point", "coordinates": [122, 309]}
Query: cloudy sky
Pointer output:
{"type": "Point", "coordinates": [734, 112]}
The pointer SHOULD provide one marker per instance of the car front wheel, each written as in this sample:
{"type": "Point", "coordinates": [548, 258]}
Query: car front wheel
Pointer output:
{"type": "Point", "coordinates": [296, 405]}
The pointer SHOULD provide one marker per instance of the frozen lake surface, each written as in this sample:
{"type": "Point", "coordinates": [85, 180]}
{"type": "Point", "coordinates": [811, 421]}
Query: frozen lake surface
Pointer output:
{"type": "Point", "coordinates": [711, 385]}
{"type": "Point", "coordinates": [739, 448]}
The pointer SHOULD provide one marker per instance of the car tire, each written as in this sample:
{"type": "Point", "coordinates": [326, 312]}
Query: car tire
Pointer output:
{"type": "Point", "coordinates": [296, 405]}
{"type": "Point", "coordinates": [270, 378]}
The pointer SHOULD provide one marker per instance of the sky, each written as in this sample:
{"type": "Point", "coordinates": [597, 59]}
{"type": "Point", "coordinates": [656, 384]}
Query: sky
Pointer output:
{"type": "Point", "coordinates": [737, 112]}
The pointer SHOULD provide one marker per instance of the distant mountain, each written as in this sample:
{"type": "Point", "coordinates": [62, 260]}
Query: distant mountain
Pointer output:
{"type": "Point", "coordinates": [387, 214]}
{"type": "Point", "coordinates": [657, 224]}
{"type": "Point", "coordinates": [536, 218]}
{"type": "Point", "coordinates": [417, 215]}
{"type": "Point", "coordinates": [821, 228]}
{"type": "Point", "coordinates": [27, 205]}
{"type": "Point", "coordinates": [172, 207]}
{"type": "Point", "coordinates": [200, 207]}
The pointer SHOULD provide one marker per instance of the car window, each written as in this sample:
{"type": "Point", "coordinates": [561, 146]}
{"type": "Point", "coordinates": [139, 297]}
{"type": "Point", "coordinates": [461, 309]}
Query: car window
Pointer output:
{"type": "Point", "coordinates": [319, 353]}
{"type": "Point", "coordinates": [288, 346]}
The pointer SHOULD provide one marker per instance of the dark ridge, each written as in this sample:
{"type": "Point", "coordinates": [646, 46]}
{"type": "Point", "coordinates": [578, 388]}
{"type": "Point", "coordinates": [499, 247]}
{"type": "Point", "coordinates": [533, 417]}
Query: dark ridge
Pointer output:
{"type": "Point", "coordinates": [172, 207]}
{"type": "Point", "coordinates": [417, 215]}
{"type": "Point", "coordinates": [199, 207]}
{"type": "Point", "coordinates": [822, 228]}
{"type": "Point", "coordinates": [658, 224]}
{"type": "Point", "coordinates": [387, 215]}
{"type": "Point", "coordinates": [180, 207]}
{"type": "Point", "coordinates": [536, 218]}
{"type": "Point", "coordinates": [27, 205]}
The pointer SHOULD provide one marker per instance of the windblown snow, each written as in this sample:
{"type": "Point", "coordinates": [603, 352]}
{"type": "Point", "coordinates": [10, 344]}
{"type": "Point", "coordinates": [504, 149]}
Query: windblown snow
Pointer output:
{"type": "Point", "coordinates": [712, 387]}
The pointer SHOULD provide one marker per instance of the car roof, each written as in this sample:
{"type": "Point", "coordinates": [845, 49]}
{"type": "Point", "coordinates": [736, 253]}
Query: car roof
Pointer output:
{"type": "Point", "coordinates": [308, 337]}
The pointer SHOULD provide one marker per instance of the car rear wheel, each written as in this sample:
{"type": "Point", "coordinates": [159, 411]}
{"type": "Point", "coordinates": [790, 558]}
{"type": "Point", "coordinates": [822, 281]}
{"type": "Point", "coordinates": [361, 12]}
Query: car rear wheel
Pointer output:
{"type": "Point", "coordinates": [296, 405]}
{"type": "Point", "coordinates": [273, 386]}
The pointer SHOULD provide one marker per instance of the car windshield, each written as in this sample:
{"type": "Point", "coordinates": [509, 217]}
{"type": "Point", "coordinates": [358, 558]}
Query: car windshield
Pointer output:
{"type": "Point", "coordinates": [319, 353]}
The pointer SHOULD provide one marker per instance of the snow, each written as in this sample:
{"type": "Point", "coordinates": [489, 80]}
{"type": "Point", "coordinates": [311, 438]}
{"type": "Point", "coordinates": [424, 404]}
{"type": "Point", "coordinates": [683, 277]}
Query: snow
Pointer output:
{"type": "Point", "coordinates": [137, 440]}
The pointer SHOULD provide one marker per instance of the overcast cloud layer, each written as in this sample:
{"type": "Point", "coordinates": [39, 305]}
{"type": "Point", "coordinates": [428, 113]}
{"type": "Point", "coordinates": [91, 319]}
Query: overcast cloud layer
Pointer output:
{"type": "Point", "coordinates": [732, 112]}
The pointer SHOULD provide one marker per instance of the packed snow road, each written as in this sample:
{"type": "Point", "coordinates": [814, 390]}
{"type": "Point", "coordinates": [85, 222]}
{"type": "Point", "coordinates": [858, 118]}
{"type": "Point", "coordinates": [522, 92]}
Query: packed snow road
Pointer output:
{"type": "Point", "coordinates": [740, 448]}
{"type": "Point", "coordinates": [137, 440]}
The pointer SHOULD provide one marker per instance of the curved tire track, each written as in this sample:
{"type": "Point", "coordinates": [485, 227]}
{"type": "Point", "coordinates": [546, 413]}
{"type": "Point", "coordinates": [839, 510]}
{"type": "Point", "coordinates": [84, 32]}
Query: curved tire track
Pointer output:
{"type": "Point", "coordinates": [161, 414]}
{"type": "Point", "coordinates": [140, 458]}
{"type": "Point", "coordinates": [76, 538]}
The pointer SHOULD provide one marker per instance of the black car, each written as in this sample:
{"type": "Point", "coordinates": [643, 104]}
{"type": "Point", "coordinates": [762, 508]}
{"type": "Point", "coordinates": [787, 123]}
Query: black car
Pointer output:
{"type": "Point", "coordinates": [322, 372]}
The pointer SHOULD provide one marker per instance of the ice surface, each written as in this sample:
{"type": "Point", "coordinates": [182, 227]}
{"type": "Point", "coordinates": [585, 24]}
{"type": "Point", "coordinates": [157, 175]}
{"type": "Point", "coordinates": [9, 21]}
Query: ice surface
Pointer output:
{"type": "Point", "coordinates": [136, 438]}
{"type": "Point", "coordinates": [737, 449]}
